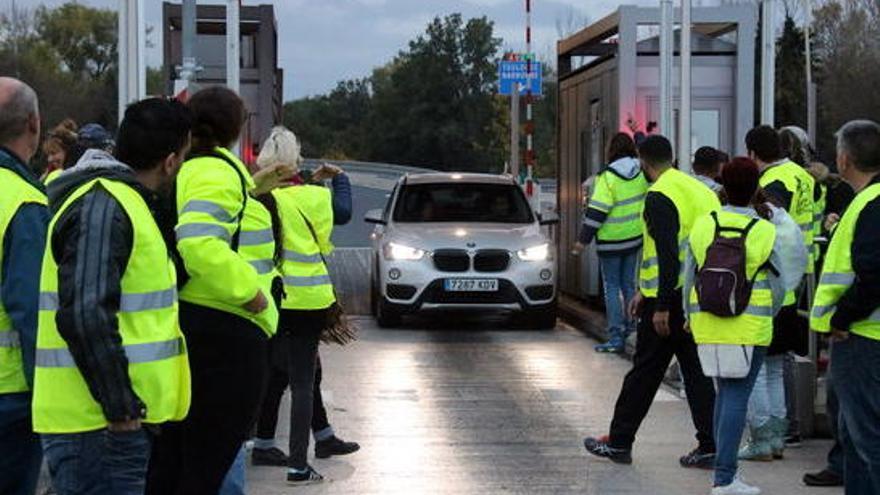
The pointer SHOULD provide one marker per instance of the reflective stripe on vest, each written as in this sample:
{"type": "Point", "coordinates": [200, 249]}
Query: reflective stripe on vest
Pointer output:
{"type": "Point", "coordinates": [10, 339]}
{"type": "Point", "coordinates": [136, 353]}
{"type": "Point", "coordinates": [129, 303]}
{"type": "Point", "coordinates": [201, 230]}
{"type": "Point", "coordinates": [838, 274]}
{"type": "Point", "coordinates": [621, 200]}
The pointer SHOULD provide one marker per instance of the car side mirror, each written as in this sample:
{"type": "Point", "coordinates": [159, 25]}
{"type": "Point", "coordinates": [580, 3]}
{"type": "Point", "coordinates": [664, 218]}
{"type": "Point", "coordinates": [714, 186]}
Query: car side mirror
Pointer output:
{"type": "Point", "coordinates": [375, 216]}
{"type": "Point", "coordinates": [548, 218]}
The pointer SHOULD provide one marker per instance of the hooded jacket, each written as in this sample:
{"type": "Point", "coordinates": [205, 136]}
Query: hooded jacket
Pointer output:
{"type": "Point", "coordinates": [626, 168]}
{"type": "Point", "coordinates": [92, 241]}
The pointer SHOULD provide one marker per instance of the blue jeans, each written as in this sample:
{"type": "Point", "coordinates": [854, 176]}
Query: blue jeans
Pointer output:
{"type": "Point", "coordinates": [619, 282]}
{"type": "Point", "coordinates": [98, 462]}
{"type": "Point", "coordinates": [731, 402]}
{"type": "Point", "coordinates": [234, 483]}
{"type": "Point", "coordinates": [768, 396]}
{"type": "Point", "coordinates": [20, 452]}
{"type": "Point", "coordinates": [855, 371]}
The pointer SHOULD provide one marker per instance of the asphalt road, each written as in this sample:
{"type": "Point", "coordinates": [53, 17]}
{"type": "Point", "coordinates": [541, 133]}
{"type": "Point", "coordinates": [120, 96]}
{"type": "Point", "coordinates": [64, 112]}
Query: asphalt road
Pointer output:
{"type": "Point", "coordinates": [454, 405]}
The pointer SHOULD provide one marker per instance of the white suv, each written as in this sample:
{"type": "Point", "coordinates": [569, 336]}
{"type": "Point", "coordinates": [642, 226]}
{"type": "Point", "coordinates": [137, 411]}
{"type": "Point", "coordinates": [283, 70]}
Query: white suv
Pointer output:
{"type": "Point", "coordinates": [462, 241]}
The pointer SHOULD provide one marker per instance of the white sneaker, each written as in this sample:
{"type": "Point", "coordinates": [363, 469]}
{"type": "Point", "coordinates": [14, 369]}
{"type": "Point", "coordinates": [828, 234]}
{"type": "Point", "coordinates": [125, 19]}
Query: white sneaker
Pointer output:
{"type": "Point", "coordinates": [738, 487]}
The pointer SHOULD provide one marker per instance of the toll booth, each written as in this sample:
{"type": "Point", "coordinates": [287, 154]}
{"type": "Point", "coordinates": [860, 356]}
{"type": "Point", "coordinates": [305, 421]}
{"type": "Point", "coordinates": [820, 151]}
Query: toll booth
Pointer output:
{"type": "Point", "coordinates": [610, 72]}
{"type": "Point", "coordinates": [262, 80]}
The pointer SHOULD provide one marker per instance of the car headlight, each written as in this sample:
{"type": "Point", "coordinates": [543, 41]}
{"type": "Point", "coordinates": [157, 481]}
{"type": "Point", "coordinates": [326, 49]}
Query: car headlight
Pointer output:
{"type": "Point", "coordinates": [399, 252]}
{"type": "Point", "coordinates": [535, 253]}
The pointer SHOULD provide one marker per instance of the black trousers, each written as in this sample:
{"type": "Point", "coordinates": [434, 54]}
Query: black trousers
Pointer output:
{"type": "Point", "coordinates": [652, 358]}
{"type": "Point", "coordinates": [227, 356]}
{"type": "Point", "coordinates": [277, 383]}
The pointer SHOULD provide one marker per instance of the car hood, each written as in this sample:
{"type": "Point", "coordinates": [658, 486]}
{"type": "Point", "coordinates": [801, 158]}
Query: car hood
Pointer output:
{"type": "Point", "coordinates": [434, 236]}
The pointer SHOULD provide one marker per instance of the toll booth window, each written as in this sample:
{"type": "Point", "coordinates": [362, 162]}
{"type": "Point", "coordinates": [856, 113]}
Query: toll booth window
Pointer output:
{"type": "Point", "coordinates": [462, 202]}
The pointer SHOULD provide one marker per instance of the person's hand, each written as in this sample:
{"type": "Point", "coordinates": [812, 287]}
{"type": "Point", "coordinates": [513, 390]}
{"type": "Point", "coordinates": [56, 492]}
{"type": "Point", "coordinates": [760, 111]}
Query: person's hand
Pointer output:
{"type": "Point", "coordinates": [125, 425]}
{"type": "Point", "coordinates": [271, 177]}
{"type": "Point", "coordinates": [831, 220]}
{"type": "Point", "coordinates": [632, 124]}
{"type": "Point", "coordinates": [687, 327]}
{"type": "Point", "coordinates": [661, 323]}
{"type": "Point", "coordinates": [258, 304]}
{"type": "Point", "coordinates": [326, 171]}
{"type": "Point", "coordinates": [635, 306]}
{"type": "Point", "coordinates": [577, 249]}
{"type": "Point", "coordinates": [839, 335]}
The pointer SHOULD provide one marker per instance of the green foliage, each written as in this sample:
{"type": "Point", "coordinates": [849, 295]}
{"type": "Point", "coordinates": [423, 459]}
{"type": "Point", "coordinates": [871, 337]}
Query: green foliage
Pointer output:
{"type": "Point", "coordinates": [791, 86]}
{"type": "Point", "coordinates": [434, 105]}
{"type": "Point", "coordinates": [68, 55]}
{"type": "Point", "coordinates": [847, 41]}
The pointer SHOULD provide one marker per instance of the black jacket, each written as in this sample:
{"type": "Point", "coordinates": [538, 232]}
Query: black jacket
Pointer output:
{"type": "Point", "coordinates": [662, 224]}
{"type": "Point", "coordinates": [92, 241]}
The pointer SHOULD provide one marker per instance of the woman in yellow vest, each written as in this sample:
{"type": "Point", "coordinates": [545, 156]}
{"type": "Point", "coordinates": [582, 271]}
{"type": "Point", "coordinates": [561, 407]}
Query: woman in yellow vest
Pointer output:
{"type": "Point", "coordinates": [110, 355]}
{"type": "Point", "coordinates": [59, 148]}
{"type": "Point", "coordinates": [227, 312]}
{"type": "Point", "coordinates": [732, 348]}
{"type": "Point", "coordinates": [613, 218]}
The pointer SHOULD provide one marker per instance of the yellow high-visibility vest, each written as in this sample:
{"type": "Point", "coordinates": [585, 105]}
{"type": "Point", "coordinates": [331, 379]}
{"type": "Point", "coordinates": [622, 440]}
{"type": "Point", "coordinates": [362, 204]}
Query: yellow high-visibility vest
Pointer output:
{"type": "Point", "coordinates": [800, 184]}
{"type": "Point", "coordinates": [16, 193]}
{"type": "Point", "coordinates": [692, 199]}
{"type": "Point", "coordinates": [148, 325]}
{"type": "Point", "coordinates": [209, 202]}
{"type": "Point", "coordinates": [755, 325]}
{"type": "Point", "coordinates": [51, 176]}
{"type": "Point", "coordinates": [306, 279]}
{"type": "Point", "coordinates": [838, 274]}
{"type": "Point", "coordinates": [622, 200]}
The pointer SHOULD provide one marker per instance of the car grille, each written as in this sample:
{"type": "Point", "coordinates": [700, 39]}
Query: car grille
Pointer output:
{"type": "Point", "coordinates": [491, 260]}
{"type": "Point", "coordinates": [506, 294]}
{"type": "Point", "coordinates": [452, 260]}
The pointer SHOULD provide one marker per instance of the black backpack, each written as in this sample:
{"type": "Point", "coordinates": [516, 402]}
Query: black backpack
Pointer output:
{"type": "Point", "coordinates": [723, 287]}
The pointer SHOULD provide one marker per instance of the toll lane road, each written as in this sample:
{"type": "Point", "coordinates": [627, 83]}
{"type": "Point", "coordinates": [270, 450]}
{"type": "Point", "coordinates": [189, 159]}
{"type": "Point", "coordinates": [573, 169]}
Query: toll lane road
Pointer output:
{"type": "Point", "coordinates": [483, 409]}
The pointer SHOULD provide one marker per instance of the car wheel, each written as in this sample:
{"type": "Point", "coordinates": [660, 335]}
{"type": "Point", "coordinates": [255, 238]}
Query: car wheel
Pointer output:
{"type": "Point", "coordinates": [386, 315]}
{"type": "Point", "coordinates": [543, 318]}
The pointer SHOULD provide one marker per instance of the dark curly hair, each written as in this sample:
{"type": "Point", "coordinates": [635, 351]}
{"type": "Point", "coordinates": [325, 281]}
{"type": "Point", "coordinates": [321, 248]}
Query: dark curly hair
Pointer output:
{"type": "Point", "coordinates": [621, 146]}
{"type": "Point", "coordinates": [218, 117]}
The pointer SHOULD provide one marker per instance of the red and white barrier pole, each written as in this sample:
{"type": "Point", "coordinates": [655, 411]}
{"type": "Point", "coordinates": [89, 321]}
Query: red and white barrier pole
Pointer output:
{"type": "Point", "coordinates": [530, 126]}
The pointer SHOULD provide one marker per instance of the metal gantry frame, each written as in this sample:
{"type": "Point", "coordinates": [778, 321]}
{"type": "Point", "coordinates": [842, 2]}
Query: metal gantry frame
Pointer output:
{"type": "Point", "coordinates": [132, 50]}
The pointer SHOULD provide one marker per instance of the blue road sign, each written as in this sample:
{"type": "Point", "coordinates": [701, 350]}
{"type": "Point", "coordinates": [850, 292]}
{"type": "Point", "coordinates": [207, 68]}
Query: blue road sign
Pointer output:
{"type": "Point", "coordinates": [512, 73]}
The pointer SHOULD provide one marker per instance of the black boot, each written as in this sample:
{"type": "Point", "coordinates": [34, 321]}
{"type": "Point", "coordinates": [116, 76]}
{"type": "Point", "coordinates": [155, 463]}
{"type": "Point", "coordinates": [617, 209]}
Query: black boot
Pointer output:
{"type": "Point", "coordinates": [334, 446]}
{"type": "Point", "coordinates": [268, 457]}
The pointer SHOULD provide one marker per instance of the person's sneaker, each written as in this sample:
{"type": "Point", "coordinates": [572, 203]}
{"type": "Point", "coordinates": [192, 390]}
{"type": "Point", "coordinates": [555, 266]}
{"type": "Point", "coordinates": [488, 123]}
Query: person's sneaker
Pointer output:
{"type": "Point", "coordinates": [793, 441]}
{"type": "Point", "coordinates": [613, 346]}
{"type": "Point", "coordinates": [738, 487]}
{"type": "Point", "coordinates": [824, 477]}
{"type": "Point", "coordinates": [334, 446]}
{"type": "Point", "coordinates": [698, 458]}
{"type": "Point", "coordinates": [308, 476]}
{"type": "Point", "coordinates": [268, 457]}
{"type": "Point", "coordinates": [599, 447]}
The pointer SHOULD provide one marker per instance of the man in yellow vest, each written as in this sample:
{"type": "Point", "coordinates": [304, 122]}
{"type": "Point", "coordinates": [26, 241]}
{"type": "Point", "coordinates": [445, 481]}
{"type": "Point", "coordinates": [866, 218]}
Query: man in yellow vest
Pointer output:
{"type": "Point", "coordinates": [673, 203]}
{"type": "Point", "coordinates": [847, 304]}
{"type": "Point", "coordinates": [110, 355]}
{"type": "Point", "coordinates": [23, 220]}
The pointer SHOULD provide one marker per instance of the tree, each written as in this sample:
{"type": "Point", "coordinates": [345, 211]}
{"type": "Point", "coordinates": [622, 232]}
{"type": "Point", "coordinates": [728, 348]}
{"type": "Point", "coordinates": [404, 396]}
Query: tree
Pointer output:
{"type": "Point", "coordinates": [436, 107]}
{"type": "Point", "coordinates": [791, 93]}
{"type": "Point", "coordinates": [83, 37]}
{"type": "Point", "coordinates": [847, 41]}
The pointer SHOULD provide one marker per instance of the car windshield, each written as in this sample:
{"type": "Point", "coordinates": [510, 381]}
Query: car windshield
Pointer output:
{"type": "Point", "coordinates": [462, 202]}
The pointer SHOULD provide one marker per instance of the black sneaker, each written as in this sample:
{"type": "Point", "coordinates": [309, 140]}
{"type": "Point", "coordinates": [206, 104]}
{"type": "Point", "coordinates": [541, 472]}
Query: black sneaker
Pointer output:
{"type": "Point", "coordinates": [824, 477]}
{"type": "Point", "coordinates": [698, 459]}
{"type": "Point", "coordinates": [599, 447]}
{"type": "Point", "coordinates": [307, 477]}
{"type": "Point", "coordinates": [268, 457]}
{"type": "Point", "coordinates": [334, 446]}
{"type": "Point", "coordinates": [793, 441]}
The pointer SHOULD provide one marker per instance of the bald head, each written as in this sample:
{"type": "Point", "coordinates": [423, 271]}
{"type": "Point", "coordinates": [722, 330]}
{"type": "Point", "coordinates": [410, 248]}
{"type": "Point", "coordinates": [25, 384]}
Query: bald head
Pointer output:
{"type": "Point", "coordinates": [19, 117]}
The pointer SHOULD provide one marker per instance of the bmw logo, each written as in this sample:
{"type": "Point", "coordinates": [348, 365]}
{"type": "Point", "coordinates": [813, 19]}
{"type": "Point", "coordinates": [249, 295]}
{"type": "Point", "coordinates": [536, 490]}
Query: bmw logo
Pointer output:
{"type": "Point", "coordinates": [472, 244]}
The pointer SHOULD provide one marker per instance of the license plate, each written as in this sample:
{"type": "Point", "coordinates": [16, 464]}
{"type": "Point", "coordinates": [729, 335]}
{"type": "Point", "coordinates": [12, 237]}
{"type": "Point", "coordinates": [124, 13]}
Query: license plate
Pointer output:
{"type": "Point", "coordinates": [471, 285]}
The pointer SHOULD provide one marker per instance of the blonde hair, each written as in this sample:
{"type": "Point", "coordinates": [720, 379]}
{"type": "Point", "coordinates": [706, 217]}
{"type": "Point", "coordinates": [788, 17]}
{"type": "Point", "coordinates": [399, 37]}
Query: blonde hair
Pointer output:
{"type": "Point", "coordinates": [281, 147]}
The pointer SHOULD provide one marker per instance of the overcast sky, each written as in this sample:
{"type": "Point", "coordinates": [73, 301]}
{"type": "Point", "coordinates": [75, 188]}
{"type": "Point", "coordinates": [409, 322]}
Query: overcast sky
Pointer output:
{"type": "Point", "coordinates": [324, 41]}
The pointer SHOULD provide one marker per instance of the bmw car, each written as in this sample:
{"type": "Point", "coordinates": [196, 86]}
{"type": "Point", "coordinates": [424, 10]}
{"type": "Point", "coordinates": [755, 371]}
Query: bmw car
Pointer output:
{"type": "Point", "coordinates": [450, 241]}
